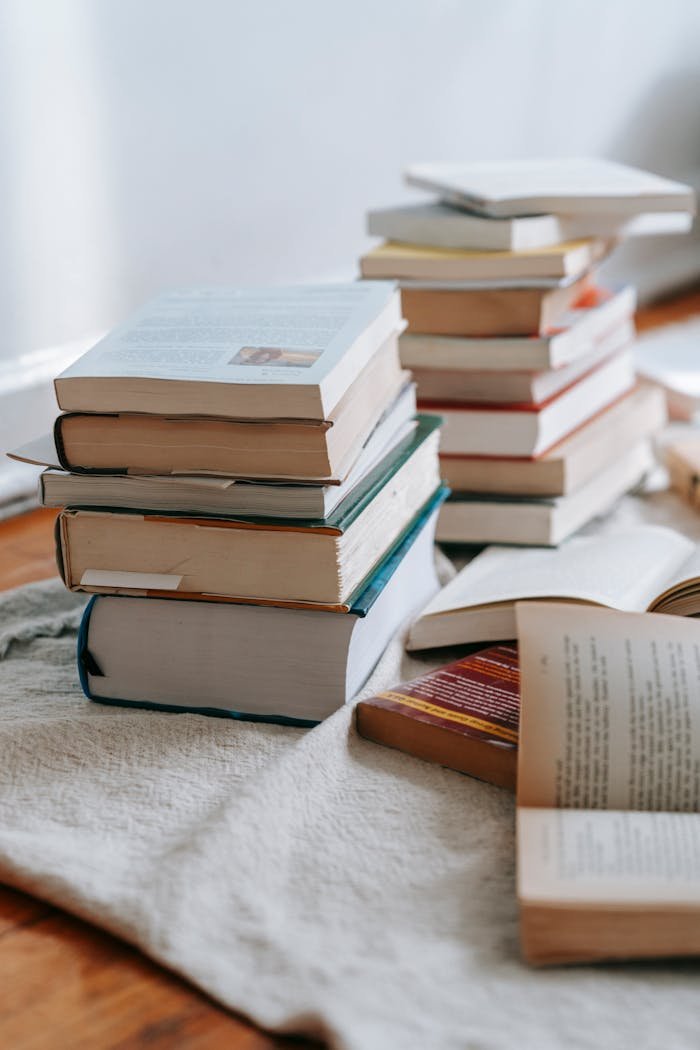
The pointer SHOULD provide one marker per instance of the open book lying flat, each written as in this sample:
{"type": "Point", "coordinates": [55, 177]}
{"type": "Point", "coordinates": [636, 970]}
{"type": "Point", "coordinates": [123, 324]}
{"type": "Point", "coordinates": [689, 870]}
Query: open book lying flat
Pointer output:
{"type": "Point", "coordinates": [608, 784]}
{"type": "Point", "coordinates": [645, 568]}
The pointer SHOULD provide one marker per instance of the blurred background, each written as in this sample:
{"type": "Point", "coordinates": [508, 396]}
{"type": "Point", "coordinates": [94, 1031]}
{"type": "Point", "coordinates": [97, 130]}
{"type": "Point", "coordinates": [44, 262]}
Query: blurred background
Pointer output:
{"type": "Point", "coordinates": [147, 145]}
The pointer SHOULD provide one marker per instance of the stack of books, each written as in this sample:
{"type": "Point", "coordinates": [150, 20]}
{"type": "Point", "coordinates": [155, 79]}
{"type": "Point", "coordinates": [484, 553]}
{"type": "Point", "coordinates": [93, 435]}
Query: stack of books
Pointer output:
{"type": "Point", "coordinates": [249, 494]}
{"type": "Point", "coordinates": [515, 343]}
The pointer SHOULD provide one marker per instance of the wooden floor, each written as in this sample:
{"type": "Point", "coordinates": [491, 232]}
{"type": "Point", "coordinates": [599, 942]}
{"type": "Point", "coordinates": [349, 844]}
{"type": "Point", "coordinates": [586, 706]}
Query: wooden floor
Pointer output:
{"type": "Point", "coordinates": [64, 984]}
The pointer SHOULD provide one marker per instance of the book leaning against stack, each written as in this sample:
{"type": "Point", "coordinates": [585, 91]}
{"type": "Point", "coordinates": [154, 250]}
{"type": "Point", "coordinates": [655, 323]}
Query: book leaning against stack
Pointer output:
{"type": "Point", "coordinates": [250, 497]}
{"type": "Point", "coordinates": [514, 341]}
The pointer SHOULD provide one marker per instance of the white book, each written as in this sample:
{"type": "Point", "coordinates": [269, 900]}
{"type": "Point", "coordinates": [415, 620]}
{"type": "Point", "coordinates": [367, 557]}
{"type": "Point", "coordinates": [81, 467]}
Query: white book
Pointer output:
{"type": "Point", "coordinates": [647, 567]}
{"type": "Point", "coordinates": [530, 430]}
{"type": "Point", "coordinates": [440, 225]}
{"type": "Point", "coordinates": [670, 356]}
{"type": "Point", "coordinates": [576, 335]}
{"type": "Point", "coordinates": [564, 185]}
{"type": "Point", "coordinates": [248, 353]}
{"type": "Point", "coordinates": [541, 522]}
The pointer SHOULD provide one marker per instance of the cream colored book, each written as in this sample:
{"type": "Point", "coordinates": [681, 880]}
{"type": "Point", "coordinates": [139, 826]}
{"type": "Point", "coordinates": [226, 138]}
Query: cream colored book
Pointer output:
{"type": "Point", "coordinates": [608, 784]}
{"type": "Point", "coordinates": [413, 262]}
{"type": "Point", "coordinates": [647, 567]}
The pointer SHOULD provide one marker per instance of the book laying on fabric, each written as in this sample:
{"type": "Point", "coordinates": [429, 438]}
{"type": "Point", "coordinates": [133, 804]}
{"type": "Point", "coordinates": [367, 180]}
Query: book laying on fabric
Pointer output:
{"type": "Point", "coordinates": [412, 262]}
{"type": "Point", "coordinates": [439, 225]}
{"type": "Point", "coordinates": [572, 462]}
{"type": "Point", "coordinates": [242, 353]}
{"type": "Point", "coordinates": [563, 185]}
{"type": "Point", "coordinates": [608, 787]}
{"type": "Point", "coordinates": [595, 316]}
{"type": "Point", "coordinates": [475, 518]}
{"type": "Point", "coordinates": [483, 311]}
{"type": "Point", "coordinates": [142, 443]}
{"type": "Point", "coordinates": [275, 560]}
{"type": "Point", "coordinates": [526, 429]}
{"type": "Point", "coordinates": [463, 715]}
{"type": "Point", "coordinates": [648, 568]}
{"type": "Point", "coordinates": [254, 662]}
{"type": "Point", "coordinates": [459, 385]}
{"type": "Point", "coordinates": [683, 462]}
{"type": "Point", "coordinates": [229, 497]}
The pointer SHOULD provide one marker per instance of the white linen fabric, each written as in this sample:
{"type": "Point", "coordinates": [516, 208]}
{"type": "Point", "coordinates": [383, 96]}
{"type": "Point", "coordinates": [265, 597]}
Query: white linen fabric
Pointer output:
{"type": "Point", "coordinates": [307, 878]}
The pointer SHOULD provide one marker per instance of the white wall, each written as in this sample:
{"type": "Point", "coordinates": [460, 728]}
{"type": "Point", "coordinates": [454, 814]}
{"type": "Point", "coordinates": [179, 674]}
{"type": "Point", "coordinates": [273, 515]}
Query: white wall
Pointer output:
{"type": "Point", "coordinates": [152, 143]}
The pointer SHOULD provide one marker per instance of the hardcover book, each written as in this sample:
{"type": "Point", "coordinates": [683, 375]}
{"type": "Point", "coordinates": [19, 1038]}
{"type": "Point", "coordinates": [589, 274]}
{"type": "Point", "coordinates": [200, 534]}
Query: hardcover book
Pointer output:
{"type": "Point", "coordinates": [463, 715]}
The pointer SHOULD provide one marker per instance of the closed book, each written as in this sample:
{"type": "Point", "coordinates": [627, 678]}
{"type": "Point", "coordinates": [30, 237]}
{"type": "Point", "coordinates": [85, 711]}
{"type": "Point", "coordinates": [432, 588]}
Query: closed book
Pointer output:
{"type": "Point", "coordinates": [483, 311]}
{"type": "Point", "coordinates": [238, 353]}
{"type": "Point", "coordinates": [463, 715]}
{"type": "Point", "coordinates": [570, 463]}
{"type": "Point", "coordinates": [563, 185]}
{"type": "Point", "coordinates": [276, 560]}
{"type": "Point", "coordinates": [476, 518]}
{"type": "Point", "coordinates": [527, 429]}
{"type": "Point", "coordinates": [254, 662]}
{"type": "Point", "coordinates": [595, 316]}
{"type": "Point", "coordinates": [225, 496]}
{"type": "Point", "coordinates": [435, 224]}
{"type": "Point", "coordinates": [413, 262]}
{"type": "Point", "coordinates": [304, 450]}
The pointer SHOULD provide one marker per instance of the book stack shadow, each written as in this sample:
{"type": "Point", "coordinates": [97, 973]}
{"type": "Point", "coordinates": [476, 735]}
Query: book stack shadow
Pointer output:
{"type": "Point", "coordinates": [514, 340]}
{"type": "Point", "coordinates": [250, 497]}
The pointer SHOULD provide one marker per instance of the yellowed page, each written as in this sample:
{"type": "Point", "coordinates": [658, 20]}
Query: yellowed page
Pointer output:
{"type": "Point", "coordinates": [610, 709]}
{"type": "Point", "coordinates": [570, 856]}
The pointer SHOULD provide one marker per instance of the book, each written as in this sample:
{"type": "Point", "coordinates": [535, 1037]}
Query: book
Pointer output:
{"type": "Point", "coordinates": [527, 429]}
{"type": "Point", "coordinates": [645, 568]}
{"type": "Point", "coordinates": [563, 185]}
{"type": "Point", "coordinates": [246, 353]}
{"type": "Point", "coordinates": [472, 385]}
{"type": "Point", "coordinates": [608, 787]}
{"type": "Point", "coordinates": [438, 225]}
{"type": "Point", "coordinates": [547, 522]}
{"type": "Point", "coordinates": [413, 262]}
{"type": "Point", "coordinates": [247, 559]}
{"type": "Point", "coordinates": [669, 357]}
{"type": "Point", "coordinates": [303, 450]}
{"type": "Point", "coordinates": [463, 715]}
{"type": "Point", "coordinates": [488, 311]}
{"type": "Point", "coordinates": [570, 463]}
{"type": "Point", "coordinates": [683, 463]}
{"type": "Point", "coordinates": [599, 313]}
{"type": "Point", "coordinates": [252, 661]}
{"type": "Point", "coordinates": [229, 497]}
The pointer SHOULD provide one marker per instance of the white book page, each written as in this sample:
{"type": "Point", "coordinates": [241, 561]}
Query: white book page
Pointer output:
{"type": "Point", "coordinates": [610, 709]}
{"type": "Point", "coordinates": [292, 335]}
{"type": "Point", "coordinates": [625, 570]}
{"type": "Point", "coordinates": [573, 855]}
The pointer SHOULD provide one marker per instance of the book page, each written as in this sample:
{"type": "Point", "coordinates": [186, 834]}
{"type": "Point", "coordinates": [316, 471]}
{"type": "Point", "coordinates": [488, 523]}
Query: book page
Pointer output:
{"type": "Point", "coordinates": [624, 570]}
{"type": "Point", "coordinates": [615, 857]}
{"type": "Point", "coordinates": [610, 709]}
{"type": "Point", "coordinates": [241, 335]}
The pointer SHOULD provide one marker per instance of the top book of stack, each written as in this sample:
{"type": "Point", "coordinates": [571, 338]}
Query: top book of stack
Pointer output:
{"type": "Point", "coordinates": [268, 353]}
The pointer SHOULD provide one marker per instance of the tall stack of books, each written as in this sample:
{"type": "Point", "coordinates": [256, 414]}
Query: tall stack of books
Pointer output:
{"type": "Point", "coordinates": [515, 343]}
{"type": "Point", "coordinates": [249, 494]}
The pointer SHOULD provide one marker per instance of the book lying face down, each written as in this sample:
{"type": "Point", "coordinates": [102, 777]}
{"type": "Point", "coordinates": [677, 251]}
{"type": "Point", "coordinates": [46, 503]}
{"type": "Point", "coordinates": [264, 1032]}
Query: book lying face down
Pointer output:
{"type": "Point", "coordinates": [648, 567]}
{"type": "Point", "coordinates": [252, 661]}
{"type": "Point", "coordinates": [608, 784]}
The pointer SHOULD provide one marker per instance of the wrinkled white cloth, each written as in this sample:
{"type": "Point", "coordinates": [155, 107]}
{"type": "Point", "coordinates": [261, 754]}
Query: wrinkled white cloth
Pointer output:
{"type": "Point", "coordinates": [307, 878]}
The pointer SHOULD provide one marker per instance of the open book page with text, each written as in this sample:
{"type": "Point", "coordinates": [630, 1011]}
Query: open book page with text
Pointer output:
{"type": "Point", "coordinates": [610, 709]}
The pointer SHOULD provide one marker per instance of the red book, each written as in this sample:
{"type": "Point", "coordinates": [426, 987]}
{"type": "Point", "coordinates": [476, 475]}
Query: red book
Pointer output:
{"type": "Point", "coordinates": [464, 715]}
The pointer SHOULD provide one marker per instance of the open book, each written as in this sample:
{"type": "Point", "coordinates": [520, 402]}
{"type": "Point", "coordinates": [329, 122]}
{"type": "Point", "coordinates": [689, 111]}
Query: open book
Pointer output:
{"type": "Point", "coordinates": [608, 784]}
{"type": "Point", "coordinates": [645, 568]}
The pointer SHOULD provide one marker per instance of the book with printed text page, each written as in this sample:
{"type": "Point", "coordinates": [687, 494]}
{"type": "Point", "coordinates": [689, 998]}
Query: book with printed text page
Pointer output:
{"type": "Point", "coordinates": [237, 353]}
{"type": "Point", "coordinates": [608, 828]}
{"type": "Point", "coordinates": [463, 715]}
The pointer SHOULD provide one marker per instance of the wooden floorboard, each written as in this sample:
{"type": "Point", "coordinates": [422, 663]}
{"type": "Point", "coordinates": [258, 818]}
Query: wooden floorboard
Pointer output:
{"type": "Point", "coordinates": [68, 986]}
